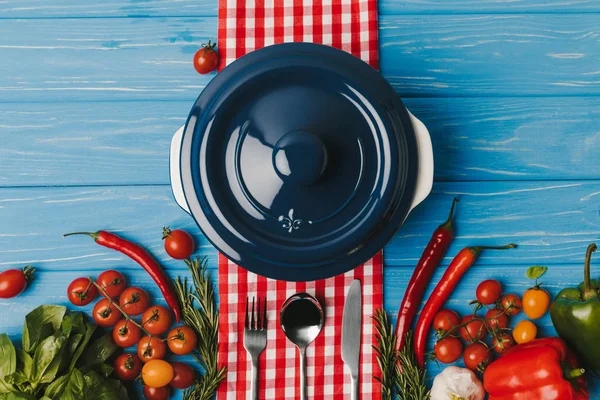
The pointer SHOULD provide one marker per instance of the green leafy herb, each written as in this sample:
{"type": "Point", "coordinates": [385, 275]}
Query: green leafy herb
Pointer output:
{"type": "Point", "coordinates": [199, 311]}
{"type": "Point", "coordinates": [8, 355]}
{"type": "Point", "coordinates": [41, 323]}
{"type": "Point", "coordinates": [536, 271]}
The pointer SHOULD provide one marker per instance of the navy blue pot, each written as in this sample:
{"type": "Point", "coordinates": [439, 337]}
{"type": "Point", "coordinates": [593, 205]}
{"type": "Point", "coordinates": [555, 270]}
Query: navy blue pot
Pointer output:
{"type": "Point", "coordinates": [299, 161]}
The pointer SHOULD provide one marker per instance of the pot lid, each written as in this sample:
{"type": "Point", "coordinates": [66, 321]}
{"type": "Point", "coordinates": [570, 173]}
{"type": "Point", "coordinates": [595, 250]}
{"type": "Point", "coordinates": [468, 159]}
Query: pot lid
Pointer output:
{"type": "Point", "coordinates": [299, 161]}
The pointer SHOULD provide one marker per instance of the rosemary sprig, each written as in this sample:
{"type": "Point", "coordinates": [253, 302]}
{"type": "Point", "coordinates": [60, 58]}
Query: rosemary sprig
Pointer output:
{"type": "Point", "coordinates": [400, 373]}
{"type": "Point", "coordinates": [199, 311]}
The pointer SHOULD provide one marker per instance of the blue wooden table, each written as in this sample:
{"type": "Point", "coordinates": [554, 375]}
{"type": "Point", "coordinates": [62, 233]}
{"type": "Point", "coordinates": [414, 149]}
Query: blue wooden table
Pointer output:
{"type": "Point", "coordinates": [91, 93]}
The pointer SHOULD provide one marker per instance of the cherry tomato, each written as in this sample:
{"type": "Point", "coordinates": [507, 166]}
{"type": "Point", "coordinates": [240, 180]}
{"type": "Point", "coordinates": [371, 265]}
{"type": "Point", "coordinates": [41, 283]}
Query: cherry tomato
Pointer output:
{"type": "Point", "coordinates": [206, 59]}
{"type": "Point", "coordinates": [14, 281]}
{"type": "Point", "coordinates": [512, 304]}
{"type": "Point", "coordinates": [128, 367]}
{"type": "Point", "coordinates": [178, 243]}
{"type": "Point", "coordinates": [126, 334]}
{"type": "Point", "coordinates": [477, 356]}
{"type": "Point", "coordinates": [184, 376]}
{"type": "Point", "coordinates": [82, 291]}
{"type": "Point", "coordinates": [182, 340]}
{"type": "Point", "coordinates": [157, 373]}
{"type": "Point", "coordinates": [161, 393]}
{"type": "Point", "coordinates": [157, 320]}
{"type": "Point", "coordinates": [502, 342]}
{"type": "Point", "coordinates": [448, 349]}
{"type": "Point", "coordinates": [134, 301]}
{"type": "Point", "coordinates": [151, 348]}
{"type": "Point", "coordinates": [105, 313]}
{"type": "Point", "coordinates": [535, 302]}
{"type": "Point", "coordinates": [525, 331]}
{"type": "Point", "coordinates": [113, 282]}
{"type": "Point", "coordinates": [496, 318]}
{"type": "Point", "coordinates": [472, 331]}
{"type": "Point", "coordinates": [445, 320]}
{"type": "Point", "coordinates": [488, 292]}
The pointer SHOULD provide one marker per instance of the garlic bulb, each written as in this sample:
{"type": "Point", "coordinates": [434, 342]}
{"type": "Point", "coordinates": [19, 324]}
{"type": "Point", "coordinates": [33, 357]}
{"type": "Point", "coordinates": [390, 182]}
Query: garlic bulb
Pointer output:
{"type": "Point", "coordinates": [455, 383]}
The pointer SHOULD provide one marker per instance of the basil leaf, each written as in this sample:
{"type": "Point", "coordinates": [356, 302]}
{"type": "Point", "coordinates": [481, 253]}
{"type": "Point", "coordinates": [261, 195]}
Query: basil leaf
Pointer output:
{"type": "Point", "coordinates": [75, 388]}
{"type": "Point", "coordinates": [97, 352]}
{"type": "Point", "coordinates": [41, 323]}
{"type": "Point", "coordinates": [18, 396]}
{"type": "Point", "coordinates": [46, 360]}
{"type": "Point", "coordinates": [99, 388]}
{"type": "Point", "coordinates": [8, 355]}
{"type": "Point", "coordinates": [90, 328]}
{"type": "Point", "coordinates": [536, 271]}
{"type": "Point", "coordinates": [24, 363]}
{"type": "Point", "coordinates": [56, 388]}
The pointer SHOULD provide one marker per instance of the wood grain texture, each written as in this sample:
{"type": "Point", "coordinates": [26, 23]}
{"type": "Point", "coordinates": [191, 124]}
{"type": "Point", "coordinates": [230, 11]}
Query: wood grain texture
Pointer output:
{"type": "Point", "coordinates": [422, 56]}
{"type": "Point", "coordinates": [126, 143]}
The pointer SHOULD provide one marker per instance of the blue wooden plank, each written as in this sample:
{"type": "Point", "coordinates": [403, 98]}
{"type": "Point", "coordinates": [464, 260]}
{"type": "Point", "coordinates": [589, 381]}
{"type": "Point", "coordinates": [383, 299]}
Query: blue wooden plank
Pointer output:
{"type": "Point", "coordinates": [103, 143]}
{"type": "Point", "coordinates": [422, 56]}
{"type": "Point", "coordinates": [551, 221]}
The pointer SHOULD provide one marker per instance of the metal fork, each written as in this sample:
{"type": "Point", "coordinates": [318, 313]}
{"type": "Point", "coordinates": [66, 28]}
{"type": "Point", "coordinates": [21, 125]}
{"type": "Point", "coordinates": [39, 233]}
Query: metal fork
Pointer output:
{"type": "Point", "coordinates": [255, 339]}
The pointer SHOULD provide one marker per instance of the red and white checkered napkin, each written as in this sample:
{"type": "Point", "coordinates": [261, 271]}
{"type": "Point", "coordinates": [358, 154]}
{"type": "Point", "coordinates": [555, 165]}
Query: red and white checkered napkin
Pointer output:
{"type": "Point", "coordinates": [246, 25]}
{"type": "Point", "coordinates": [279, 363]}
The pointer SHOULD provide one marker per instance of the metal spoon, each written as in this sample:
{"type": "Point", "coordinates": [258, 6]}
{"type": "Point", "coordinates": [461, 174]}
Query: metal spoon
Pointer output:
{"type": "Point", "coordinates": [301, 320]}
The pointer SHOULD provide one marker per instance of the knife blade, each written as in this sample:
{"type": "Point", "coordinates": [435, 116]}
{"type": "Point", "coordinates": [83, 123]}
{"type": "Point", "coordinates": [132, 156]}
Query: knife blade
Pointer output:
{"type": "Point", "coordinates": [351, 332]}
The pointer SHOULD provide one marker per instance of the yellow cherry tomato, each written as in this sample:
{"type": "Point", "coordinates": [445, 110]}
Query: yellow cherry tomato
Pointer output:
{"type": "Point", "coordinates": [524, 332]}
{"type": "Point", "coordinates": [535, 303]}
{"type": "Point", "coordinates": [157, 373]}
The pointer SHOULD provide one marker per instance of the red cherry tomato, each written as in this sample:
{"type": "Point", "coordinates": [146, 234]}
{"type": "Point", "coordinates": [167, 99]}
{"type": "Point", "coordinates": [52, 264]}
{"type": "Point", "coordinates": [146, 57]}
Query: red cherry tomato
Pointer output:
{"type": "Point", "coordinates": [448, 349]}
{"type": "Point", "coordinates": [502, 342]}
{"type": "Point", "coordinates": [105, 313]}
{"type": "Point", "coordinates": [134, 301]}
{"type": "Point", "coordinates": [496, 318]}
{"type": "Point", "coordinates": [512, 304]}
{"type": "Point", "coordinates": [126, 334]}
{"type": "Point", "coordinates": [473, 331]}
{"type": "Point", "coordinates": [160, 393]}
{"type": "Point", "coordinates": [178, 243]}
{"type": "Point", "coordinates": [128, 367]}
{"type": "Point", "coordinates": [477, 356]}
{"type": "Point", "coordinates": [157, 320]}
{"type": "Point", "coordinates": [184, 376]}
{"type": "Point", "coordinates": [113, 282]}
{"type": "Point", "coordinates": [488, 292]}
{"type": "Point", "coordinates": [14, 281]}
{"type": "Point", "coordinates": [151, 348]}
{"type": "Point", "coordinates": [182, 340]}
{"type": "Point", "coordinates": [445, 320]}
{"type": "Point", "coordinates": [82, 291]}
{"type": "Point", "coordinates": [206, 59]}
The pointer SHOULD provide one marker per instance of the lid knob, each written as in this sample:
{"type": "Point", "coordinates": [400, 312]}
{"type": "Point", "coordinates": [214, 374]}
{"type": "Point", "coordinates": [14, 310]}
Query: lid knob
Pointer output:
{"type": "Point", "coordinates": [300, 157]}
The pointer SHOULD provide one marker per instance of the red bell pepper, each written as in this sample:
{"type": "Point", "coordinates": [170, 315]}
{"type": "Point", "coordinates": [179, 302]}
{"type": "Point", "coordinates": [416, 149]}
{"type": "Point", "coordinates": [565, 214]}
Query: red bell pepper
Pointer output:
{"type": "Point", "coordinates": [543, 369]}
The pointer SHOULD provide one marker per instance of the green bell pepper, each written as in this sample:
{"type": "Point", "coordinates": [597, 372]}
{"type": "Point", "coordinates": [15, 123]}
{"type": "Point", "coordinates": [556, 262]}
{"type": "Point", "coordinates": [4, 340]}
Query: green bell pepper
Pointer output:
{"type": "Point", "coordinates": [575, 315]}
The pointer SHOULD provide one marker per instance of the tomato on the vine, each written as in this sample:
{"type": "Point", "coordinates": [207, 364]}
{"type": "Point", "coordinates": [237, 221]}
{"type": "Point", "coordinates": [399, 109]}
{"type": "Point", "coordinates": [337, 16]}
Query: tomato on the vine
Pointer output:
{"type": "Point", "coordinates": [502, 342]}
{"type": "Point", "coordinates": [511, 304]}
{"type": "Point", "coordinates": [128, 366]}
{"type": "Point", "coordinates": [157, 320]}
{"type": "Point", "coordinates": [113, 282]}
{"type": "Point", "coordinates": [448, 349]}
{"type": "Point", "coordinates": [496, 318]}
{"type": "Point", "coordinates": [445, 320]}
{"type": "Point", "coordinates": [488, 292]}
{"type": "Point", "coordinates": [477, 356]}
{"type": "Point", "coordinates": [184, 376]}
{"type": "Point", "coordinates": [151, 348]}
{"type": "Point", "coordinates": [157, 373]}
{"type": "Point", "coordinates": [126, 334]}
{"type": "Point", "coordinates": [206, 59]}
{"type": "Point", "coordinates": [472, 331]}
{"type": "Point", "coordinates": [535, 302]}
{"type": "Point", "coordinates": [105, 313]}
{"type": "Point", "coordinates": [182, 340]}
{"type": "Point", "coordinates": [178, 243]}
{"type": "Point", "coordinates": [14, 281]}
{"type": "Point", "coordinates": [82, 291]}
{"type": "Point", "coordinates": [134, 301]}
{"type": "Point", "coordinates": [159, 393]}
{"type": "Point", "coordinates": [525, 331]}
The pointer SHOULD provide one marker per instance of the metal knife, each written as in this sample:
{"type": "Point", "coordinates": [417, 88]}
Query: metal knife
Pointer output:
{"type": "Point", "coordinates": [351, 330]}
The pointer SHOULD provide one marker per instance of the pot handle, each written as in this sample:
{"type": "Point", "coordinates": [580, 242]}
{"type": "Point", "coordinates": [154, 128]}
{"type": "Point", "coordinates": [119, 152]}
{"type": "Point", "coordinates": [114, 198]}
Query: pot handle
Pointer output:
{"type": "Point", "coordinates": [174, 161]}
{"type": "Point", "coordinates": [425, 170]}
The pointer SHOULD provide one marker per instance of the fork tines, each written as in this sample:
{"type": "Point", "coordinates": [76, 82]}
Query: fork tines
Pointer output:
{"type": "Point", "coordinates": [256, 320]}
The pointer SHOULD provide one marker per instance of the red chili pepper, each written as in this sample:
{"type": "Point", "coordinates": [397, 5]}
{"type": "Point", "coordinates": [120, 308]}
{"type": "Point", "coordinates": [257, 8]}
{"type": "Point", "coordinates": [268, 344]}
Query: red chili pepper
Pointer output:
{"type": "Point", "coordinates": [142, 257]}
{"type": "Point", "coordinates": [430, 259]}
{"type": "Point", "coordinates": [457, 268]}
